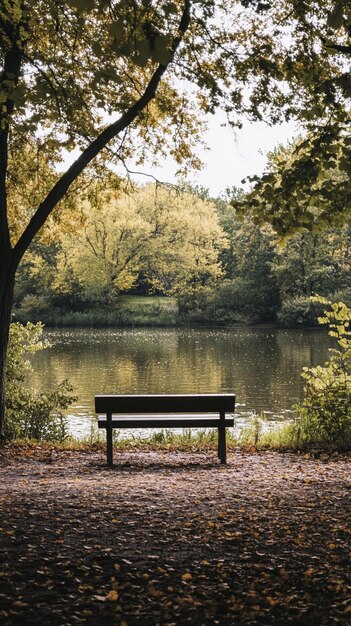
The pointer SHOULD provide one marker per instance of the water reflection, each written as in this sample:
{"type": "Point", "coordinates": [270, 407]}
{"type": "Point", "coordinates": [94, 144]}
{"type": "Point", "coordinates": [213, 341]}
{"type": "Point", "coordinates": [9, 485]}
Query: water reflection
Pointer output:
{"type": "Point", "coordinates": [261, 365]}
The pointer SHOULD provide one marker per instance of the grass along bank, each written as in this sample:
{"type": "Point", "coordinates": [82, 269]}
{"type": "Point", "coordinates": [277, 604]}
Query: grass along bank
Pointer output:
{"type": "Point", "coordinates": [258, 435]}
{"type": "Point", "coordinates": [126, 311]}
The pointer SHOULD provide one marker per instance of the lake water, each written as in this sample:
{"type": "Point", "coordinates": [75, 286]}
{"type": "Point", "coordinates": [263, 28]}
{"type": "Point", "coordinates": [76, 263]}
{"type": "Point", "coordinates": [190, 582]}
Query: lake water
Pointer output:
{"type": "Point", "coordinates": [261, 365]}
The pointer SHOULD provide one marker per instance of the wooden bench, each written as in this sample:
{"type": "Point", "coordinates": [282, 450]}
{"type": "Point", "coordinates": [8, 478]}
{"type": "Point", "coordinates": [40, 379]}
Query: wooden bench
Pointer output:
{"type": "Point", "coordinates": [166, 411]}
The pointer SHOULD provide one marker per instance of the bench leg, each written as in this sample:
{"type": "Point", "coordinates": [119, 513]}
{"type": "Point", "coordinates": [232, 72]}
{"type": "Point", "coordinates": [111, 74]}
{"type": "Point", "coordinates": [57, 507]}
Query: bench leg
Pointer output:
{"type": "Point", "coordinates": [109, 446]}
{"type": "Point", "coordinates": [222, 447]}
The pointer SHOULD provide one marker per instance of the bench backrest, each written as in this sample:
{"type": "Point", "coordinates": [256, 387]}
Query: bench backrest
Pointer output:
{"type": "Point", "coordinates": [165, 403]}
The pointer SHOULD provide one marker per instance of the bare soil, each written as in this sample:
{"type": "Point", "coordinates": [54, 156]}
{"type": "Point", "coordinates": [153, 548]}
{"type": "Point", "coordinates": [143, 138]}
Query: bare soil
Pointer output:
{"type": "Point", "coordinates": [174, 538]}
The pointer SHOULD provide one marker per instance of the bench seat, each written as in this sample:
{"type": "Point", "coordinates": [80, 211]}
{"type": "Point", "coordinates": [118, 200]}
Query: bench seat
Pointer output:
{"type": "Point", "coordinates": [183, 420]}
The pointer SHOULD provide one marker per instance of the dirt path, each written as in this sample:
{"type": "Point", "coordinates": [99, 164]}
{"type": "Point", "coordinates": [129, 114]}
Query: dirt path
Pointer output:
{"type": "Point", "coordinates": [174, 538]}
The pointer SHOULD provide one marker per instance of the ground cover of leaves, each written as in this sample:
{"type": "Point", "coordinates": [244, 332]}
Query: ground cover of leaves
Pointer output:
{"type": "Point", "coordinates": [174, 538]}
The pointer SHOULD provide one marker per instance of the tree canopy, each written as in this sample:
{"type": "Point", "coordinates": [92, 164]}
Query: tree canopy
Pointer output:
{"type": "Point", "coordinates": [172, 238]}
{"type": "Point", "coordinates": [78, 74]}
{"type": "Point", "coordinates": [307, 48]}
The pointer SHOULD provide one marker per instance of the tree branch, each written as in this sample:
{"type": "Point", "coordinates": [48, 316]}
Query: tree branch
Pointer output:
{"type": "Point", "coordinates": [343, 49]}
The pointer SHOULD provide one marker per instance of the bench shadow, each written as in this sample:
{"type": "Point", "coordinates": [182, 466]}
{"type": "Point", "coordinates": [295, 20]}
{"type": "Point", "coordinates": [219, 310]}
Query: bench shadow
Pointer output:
{"type": "Point", "coordinates": [157, 466]}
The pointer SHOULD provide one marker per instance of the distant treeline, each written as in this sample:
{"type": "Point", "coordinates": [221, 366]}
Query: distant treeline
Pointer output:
{"type": "Point", "coordinates": [156, 241]}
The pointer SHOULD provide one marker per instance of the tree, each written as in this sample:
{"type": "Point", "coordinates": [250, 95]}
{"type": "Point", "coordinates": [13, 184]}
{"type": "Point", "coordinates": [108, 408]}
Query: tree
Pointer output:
{"type": "Point", "coordinates": [307, 65]}
{"type": "Point", "coordinates": [172, 238]}
{"type": "Point", "coordinates": [68, 68]}
{"type": "Point", "coordinates": [310, 264]}
{"type": "Point", "coordinates": [303, 188]}
{"type": "Point", "coordinates": [186, 240]}
{"type": "Point", "coordinates": [102, 255]}
{"type": "Point", "coordinates": [251, 287]}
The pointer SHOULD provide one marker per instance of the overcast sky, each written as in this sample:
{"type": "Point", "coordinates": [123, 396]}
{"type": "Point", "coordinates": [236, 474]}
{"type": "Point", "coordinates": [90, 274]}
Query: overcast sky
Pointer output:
{"type": "Point", "coordinates": [231, 156]}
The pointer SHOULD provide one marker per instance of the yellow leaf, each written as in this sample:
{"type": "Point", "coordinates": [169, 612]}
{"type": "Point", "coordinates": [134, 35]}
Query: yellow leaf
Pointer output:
{"type": "Point", "coordinates": [117, 567]}
{"type": "Point", "coordinates": [113, 595]}
{"type": "Point", "coordinates": [309, 571]}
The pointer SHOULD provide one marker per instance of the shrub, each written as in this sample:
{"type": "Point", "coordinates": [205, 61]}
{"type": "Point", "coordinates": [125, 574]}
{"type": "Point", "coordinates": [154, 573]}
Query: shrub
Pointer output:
{"type": "Point", "coordinates": [344, 295]}
{"type": "Point", "coordinates": [201, 307]}
{"type": "Point", "coordinates": [324, 416]}
{"type": "Point", "coordinates": [299, 311]}
{"type": "Point", "coordinates": [253, 301]}
{"type": "Point", "coordinates": [33, 307]}
{"type": "Point", "coordinates": [234, 301]}
{"type": "Point", "coordinates": [32, 415]}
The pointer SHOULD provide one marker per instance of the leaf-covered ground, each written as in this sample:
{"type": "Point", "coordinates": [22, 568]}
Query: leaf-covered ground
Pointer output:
{"type": "Point", "coordinates": [174, 538]}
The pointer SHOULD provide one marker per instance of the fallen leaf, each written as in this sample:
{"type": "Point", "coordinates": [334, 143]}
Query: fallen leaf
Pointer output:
{"type": "Point", "coordinates": [113, 595]}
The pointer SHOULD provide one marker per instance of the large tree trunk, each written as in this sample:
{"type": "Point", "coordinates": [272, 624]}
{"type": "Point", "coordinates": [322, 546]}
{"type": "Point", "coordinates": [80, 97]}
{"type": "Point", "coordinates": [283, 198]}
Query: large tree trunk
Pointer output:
{"type": "Point", "coordinates": [7, 280]}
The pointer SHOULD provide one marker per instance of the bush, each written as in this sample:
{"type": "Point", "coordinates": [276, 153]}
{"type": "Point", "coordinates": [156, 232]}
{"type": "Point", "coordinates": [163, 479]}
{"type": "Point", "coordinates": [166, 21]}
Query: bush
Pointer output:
{"type": "Point", "coordinates": [32, 415]}
{"type": "Point", "coordinates": [344, 295]}
{"type": "Point", "coordinates": [234, 301]}
{"type": "Point", "coordinates": [33, 307]}
{"type": "Point", "coordinates": [255, 302]}
{"type": "Point", "coordinates": [201, 307]}
{"type": "Point", "coordinates": [324, 416]}
{"type": "Point", "coordinates": [299, 311]}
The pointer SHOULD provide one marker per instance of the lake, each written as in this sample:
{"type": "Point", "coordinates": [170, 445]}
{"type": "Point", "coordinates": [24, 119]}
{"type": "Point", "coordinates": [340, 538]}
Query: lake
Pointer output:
{"type": "Point", "coordinates": [261, 365]}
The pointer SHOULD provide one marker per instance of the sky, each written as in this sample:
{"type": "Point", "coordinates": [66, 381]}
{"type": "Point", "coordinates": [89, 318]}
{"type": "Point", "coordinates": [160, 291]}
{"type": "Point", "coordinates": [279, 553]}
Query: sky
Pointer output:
{"type": "Point", "coordinates": [231, 155]}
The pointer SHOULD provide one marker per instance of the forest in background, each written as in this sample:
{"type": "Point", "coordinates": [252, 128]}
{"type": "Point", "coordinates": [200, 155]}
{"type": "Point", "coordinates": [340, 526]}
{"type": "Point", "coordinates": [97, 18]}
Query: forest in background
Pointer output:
{"type": "Point", "coordinates": [215, 267]}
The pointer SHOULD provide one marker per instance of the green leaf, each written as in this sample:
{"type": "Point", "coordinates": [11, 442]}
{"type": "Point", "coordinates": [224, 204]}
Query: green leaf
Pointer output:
{"type": "Point", "coordinates": [161, 52]}
{"type": "Point", "coordinates": [82, 5]}
{"type": "Point", "coordinates": [170, 8]}
{"type": "Point", "coordinates": [143, 52]}
{"type": "Point", "coordinates": [345, 83]}
{"type": "Point", "coordinates": [117, 29]}
{"type": "Point", "coordinates": [335, 18]}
